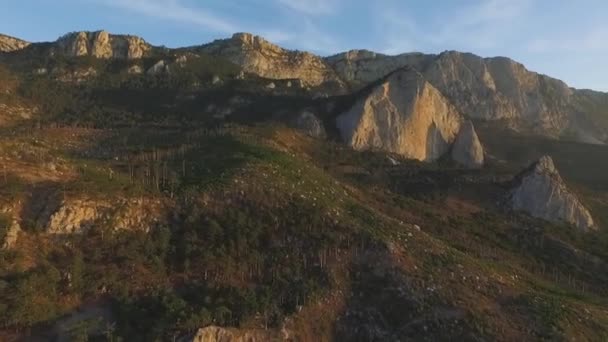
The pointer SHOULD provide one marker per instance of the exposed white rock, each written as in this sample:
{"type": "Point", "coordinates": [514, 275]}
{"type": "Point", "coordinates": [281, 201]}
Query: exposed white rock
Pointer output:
{"type": "Point", "coordinates": [404, 115]}
{"type": "Point", "coordinates": [258, 56]}
{"type": "Point", "coordinates": [135, 70]}
{"type": "Point", "coordinates": [158, 68]}
{"type": "Point", "coordinates": [542, 193]}
{"type": "Point", "coordinates": [467, 149]}
{"type": "Point", "coordinates": [271, 85]}
{"type": "Point", "coordinates": [101, 44]}
{"type": "Point", "coordinates": [78, 215]}
{"type": "Point", "coordinates": [10, 44]}
{"type": "Point", "coordinates": [310, 124]}
{"type": "Point", "coordinates": [216, 80]}
{"type": "Point", "coordinates": [12, 234]}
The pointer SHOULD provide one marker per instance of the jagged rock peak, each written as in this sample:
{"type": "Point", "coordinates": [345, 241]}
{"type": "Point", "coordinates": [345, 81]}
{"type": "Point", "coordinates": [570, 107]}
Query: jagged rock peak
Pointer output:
{"type": "Point", "coordinates": [258, 56]}
{"type": "Point", "coordinates": [361, 67]}
{"type": "Point", "coordinates": [10, 44]}
{"type": "Point", "coordinates": [542, 193]}
{"type": "Point", "coordinates": [467, 149]}
{"type": "Point", "coordinates": [101, 44]}
{"type": "Point", "coordinates": [404, 114]}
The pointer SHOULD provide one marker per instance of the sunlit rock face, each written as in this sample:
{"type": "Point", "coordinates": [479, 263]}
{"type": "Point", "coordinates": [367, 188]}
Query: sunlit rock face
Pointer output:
{"type": "Point", "coordinates": [10, 44]}
{"type": "Point", "coordinates": [542, 193]}
{"type": "Point", "coordinates": [101, 44]}
{"type": "Point", "coordinates": [404, 114]}
{"type": "Point", "coordinates": [258, 56]}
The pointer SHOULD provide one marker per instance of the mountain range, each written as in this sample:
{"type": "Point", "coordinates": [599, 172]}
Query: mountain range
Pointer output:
{"type": "Point", "coordinates": [237, 190]}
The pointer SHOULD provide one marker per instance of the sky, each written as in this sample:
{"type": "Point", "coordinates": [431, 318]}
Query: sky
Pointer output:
{"type": "Point", "coordinates": [566, 39]}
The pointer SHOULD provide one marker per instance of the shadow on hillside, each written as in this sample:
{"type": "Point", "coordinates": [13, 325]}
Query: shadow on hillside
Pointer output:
{"type": "Point", "coordinates": [387, 305]}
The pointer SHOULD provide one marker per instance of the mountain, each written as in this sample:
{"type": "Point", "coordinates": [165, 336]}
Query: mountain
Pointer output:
{"type": "Point", "coordinates": [542, 193]}
{"type": "Point", "coordinates": [9, 44]}
{"type": "Point", "coordinates": [101, 44]}
{"type": "Point", "coordinates": [258, 56]}
{"type": "Point", "coordinates": [405, 115]}
{"type": "Point", "coordinates": [241, 191]}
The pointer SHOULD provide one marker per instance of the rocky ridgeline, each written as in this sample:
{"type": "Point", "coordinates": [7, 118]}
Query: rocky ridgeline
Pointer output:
{"type": "Point", "coordinates": [10, 44]}
{"type": "Point", "coordinates": [101, 44]}
{"type": "Point", "coordinates": [542, 193]}
{"type": "Point", "coordinates": [407, 115]}
{"type": "Point", "coordinates": [256, 55]}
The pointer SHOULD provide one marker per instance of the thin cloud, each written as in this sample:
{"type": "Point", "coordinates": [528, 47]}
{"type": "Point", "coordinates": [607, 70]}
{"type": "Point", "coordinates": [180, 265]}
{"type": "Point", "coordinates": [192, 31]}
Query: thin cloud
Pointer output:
{"type": "Point", "coordinates": [311, 7]}
{"type": "Point", "coordinates": [176, 11]}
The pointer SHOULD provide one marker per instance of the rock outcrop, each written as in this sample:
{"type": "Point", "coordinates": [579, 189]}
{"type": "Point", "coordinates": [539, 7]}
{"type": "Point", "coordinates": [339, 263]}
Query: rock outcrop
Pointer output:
{"type": "Point", "coordinates": [405, 115]}
{"type": "Point", "coordinates": [309, 123]}
{"type": "Point", "coordinates": [258, 56]}
{"type": "Point", "coordinates": [10, 44]}
{"type": "Point", "coordinates": [12, 234]}
{"type": "Point", "coordinates": [101, 44]}
{"type": "Point", "coordinates": [362, 67]}
{"type": "Point", "coordinates": [500, 88]}
{"type": "Point", "coordinates": [542, 193]}
{"type": "Point", "coordinates": [78, 215]}
{"type": "Point", "coordinates": [218, 334]}
{"type": "Point", "coordinates": [467, 149]}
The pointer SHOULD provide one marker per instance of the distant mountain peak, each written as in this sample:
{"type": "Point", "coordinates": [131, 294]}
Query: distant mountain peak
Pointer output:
{"type": "Point", "coordinates": [10, 44]}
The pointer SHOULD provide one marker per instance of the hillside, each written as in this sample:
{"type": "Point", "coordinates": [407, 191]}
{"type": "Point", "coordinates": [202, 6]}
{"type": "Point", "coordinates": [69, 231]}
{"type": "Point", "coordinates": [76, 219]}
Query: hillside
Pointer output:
{"type": "Point", "coordinates": [182, 195]}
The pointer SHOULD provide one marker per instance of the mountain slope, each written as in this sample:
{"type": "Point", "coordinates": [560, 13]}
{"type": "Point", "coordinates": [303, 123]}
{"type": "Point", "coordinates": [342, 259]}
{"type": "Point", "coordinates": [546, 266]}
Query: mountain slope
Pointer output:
{"type": "Point", "coordinates": [10, 44]}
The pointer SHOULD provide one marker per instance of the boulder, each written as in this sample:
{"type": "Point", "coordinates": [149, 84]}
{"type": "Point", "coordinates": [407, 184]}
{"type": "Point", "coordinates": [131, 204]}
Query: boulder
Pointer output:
{"type": "Point", "coordinates": [467, 149]}
{"type": "Point", "coordinates": [309, 123]}
{"type": "Point", "coordinates": [541, 192]}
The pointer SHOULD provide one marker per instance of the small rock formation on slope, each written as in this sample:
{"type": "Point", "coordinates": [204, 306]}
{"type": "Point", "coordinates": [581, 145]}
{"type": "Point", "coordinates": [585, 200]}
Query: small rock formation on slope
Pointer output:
{"type": "Point", "coordinates": [467, 149]}
{"type": "Point", "coordinates": [309, 123]}
{"type": "Point", "coordinates": [77, 215]}
{"type": "Point", "coordinates": [542, 193]}
{"type": "Point", "coordinates": [101, 44]}
{"type": "Point", "coordinates": [10, 44]}
{"type": "Point", "coordinates": [405, 115]}
{"type": "Point", "coordinates": [258, 56]}
{"type": "Point", "coordinates": [218, 334]}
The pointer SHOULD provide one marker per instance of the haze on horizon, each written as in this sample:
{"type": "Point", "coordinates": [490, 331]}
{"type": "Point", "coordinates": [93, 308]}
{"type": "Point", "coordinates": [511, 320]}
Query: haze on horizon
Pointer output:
{"type": "Point", "coordinates": [560, 38]}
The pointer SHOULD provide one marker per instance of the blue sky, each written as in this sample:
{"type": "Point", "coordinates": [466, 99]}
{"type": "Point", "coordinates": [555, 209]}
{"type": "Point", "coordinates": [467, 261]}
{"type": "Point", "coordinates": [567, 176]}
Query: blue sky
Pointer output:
{"type": "Point", "coordinates": [567, 39]}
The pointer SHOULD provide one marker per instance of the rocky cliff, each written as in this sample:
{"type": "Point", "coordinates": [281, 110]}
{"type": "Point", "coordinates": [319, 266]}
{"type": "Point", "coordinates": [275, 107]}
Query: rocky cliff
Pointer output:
{"type": "Point", "coordinates": [9, 44]}
{"type": "Point", "coordinates": [542, 193]}
{"type": "Point", "coordinates": [404, 114]}
{"type": "Point", "coordinates": [467, 149]}
{"type": "Point", "coordinates": [500, 88]}
{"type": "Point", "coordinates": [101, 44]}
{"type": "Point", "coordinates": [361, 67]}
{"type": "Point", "coordinates": [256, 55]}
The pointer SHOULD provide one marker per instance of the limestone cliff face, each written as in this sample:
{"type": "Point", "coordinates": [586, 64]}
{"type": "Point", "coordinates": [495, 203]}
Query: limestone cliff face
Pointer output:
{"type": "Point", "coordinates": [218, 334]}
{"type": "Point", "coordinates": [404, 114]}
{"type": "Point", "coordinates": [101, 44]}
{"type": "Point", "coordinates": [542, 193]}
{"type": "Point", "coordinates": [10, 44]}
{"type": "Point", "coordinates": [256, 55]}
{"type": "Point", "coordinates": [361, 67]}
{"type": "Point", "coordinates": [500, 88]}
{"type": "Point", "coordinates": [467, 149]}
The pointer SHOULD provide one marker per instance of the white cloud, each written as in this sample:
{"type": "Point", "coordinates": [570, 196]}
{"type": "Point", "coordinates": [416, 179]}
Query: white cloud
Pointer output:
{"type": "Point", "coordinates": [311, 7]}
